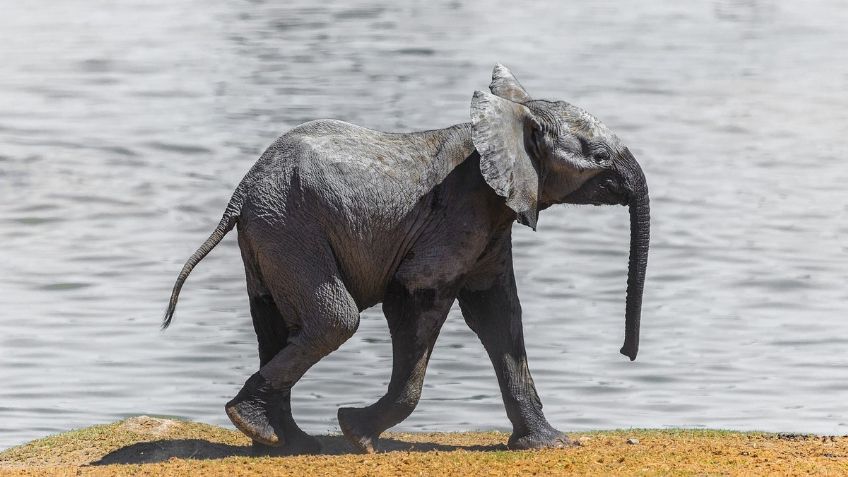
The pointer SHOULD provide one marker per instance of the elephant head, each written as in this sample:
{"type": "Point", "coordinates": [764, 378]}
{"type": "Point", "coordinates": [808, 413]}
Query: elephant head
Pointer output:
{"type": "Point", "coordinates": [537, 153]}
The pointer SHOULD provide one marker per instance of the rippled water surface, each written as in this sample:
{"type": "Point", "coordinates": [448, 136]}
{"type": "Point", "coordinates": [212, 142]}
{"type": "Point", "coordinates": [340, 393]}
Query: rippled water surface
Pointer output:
{"type": "Point", "coordinates": [124, 127]}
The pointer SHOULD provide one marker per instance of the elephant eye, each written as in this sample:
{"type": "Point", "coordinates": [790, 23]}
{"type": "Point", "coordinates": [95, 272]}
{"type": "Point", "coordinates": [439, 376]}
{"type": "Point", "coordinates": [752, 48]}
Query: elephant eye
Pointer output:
{"type": "Point", "coordinates": [601, 155]}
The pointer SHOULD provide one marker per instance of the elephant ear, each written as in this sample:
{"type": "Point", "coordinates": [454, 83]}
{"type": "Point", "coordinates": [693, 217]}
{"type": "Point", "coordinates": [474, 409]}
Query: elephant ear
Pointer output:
{"type": "Point", "coordinates": [501, 130]}
{"type": "Point", "coordinates": [506, 86]}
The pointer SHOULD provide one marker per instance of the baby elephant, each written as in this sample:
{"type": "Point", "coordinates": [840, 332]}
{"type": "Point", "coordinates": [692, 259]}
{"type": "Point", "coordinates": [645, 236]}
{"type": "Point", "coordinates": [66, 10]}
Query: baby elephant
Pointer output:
{"type": "Point", "coordinates": [335, 218]}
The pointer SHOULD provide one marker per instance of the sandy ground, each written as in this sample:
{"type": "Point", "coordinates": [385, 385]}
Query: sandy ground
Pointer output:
{"type": "Point", "coordinates": [153, 446]}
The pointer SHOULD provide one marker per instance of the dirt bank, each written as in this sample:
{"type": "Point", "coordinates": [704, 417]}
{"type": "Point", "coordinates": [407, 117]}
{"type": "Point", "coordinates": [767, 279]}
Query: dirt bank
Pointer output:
{"type": "Point", "coordinates": [152, 446]}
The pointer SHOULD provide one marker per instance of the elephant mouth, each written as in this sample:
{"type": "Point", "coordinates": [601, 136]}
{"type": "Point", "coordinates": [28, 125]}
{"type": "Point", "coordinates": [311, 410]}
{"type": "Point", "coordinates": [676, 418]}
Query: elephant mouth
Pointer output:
{"type": "Point", "coordinates": [603, 189]}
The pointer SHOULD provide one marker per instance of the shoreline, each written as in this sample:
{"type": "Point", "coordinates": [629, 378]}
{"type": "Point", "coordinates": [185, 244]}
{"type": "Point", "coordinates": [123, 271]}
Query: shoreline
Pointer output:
{"type": "Point", "coordinates": [155, 446]}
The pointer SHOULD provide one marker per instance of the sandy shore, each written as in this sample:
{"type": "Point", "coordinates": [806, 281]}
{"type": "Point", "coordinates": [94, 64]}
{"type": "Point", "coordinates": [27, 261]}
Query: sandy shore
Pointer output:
{"type": "Point", "coordinates": [153, 446]}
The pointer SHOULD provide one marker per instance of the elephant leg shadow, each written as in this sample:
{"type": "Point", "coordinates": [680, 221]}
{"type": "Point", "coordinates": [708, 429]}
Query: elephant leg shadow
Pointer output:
{"type": "Point", "coordinates": [163, 450]}
{"type": "Point", "coordinates": [389, 444]}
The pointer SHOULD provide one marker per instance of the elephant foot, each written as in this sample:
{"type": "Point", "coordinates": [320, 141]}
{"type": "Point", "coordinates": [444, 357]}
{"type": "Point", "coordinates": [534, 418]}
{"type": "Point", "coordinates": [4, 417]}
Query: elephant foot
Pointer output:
{"type": "Point", "coordinates": [254, 409]}
{"type": "Point", "coordinates": [355, 428]}
{"type": "Point", "coordinates": [544, 438]}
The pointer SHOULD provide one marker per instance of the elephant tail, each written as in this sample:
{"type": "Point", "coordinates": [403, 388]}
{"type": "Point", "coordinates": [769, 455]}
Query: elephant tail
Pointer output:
{"type": "Point", "coordinates": [228, 221]}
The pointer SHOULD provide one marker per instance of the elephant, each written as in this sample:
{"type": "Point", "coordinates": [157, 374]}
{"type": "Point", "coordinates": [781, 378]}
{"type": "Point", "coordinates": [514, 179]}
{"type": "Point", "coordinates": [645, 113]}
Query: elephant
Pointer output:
{"type": "Point", "coordinates": [335, 218]}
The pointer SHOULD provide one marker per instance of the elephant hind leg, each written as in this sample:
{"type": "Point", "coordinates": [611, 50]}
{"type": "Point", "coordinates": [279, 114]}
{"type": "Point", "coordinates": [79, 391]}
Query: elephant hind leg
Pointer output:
{"type": "Point", "coordinates": [415, 319]}
{"type": "Point", "coordinates": [318, 315]}
{"type": "Point", "coordinates": [269, 325]}
{"type": "Point", "coordinates": [272, 335]}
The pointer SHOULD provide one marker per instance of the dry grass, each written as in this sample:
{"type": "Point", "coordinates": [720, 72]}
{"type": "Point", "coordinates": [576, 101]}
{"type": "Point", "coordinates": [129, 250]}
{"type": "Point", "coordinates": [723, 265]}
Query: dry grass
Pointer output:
{"type": "Point", "coordinates": [154, 447]}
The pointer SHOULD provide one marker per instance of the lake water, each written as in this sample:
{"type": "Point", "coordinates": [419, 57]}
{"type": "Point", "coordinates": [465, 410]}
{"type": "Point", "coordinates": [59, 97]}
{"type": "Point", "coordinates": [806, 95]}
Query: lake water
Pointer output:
{"type": "Point", "coordinates": [125, 126]}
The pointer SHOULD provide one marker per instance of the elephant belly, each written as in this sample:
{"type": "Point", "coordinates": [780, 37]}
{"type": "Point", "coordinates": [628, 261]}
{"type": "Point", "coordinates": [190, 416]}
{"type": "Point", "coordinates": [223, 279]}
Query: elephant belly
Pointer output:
{"type": "Point", "coordinates": [367, 263]}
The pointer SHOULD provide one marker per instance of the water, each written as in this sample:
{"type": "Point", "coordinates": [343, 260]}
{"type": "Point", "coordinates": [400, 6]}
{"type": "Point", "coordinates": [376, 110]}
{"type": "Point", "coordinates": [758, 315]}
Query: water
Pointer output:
{"type": "Point", "coordinates": [124, 127]}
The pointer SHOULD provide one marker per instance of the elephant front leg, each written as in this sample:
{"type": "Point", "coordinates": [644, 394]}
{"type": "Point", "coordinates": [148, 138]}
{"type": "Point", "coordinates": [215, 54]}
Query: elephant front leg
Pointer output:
{"type": "Point", "coordinates": [494, 314]}
{"type": "Point", "coordinates": [415, 318]}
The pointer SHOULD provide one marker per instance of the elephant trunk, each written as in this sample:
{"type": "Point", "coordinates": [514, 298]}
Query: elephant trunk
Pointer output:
{"type": "Point", "coordinates": [640, 225]}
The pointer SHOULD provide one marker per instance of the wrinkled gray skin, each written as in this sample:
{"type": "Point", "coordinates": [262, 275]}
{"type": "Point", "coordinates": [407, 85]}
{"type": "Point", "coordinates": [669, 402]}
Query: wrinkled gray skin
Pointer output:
{"type": "Point", "coordinates": [335, 218]}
